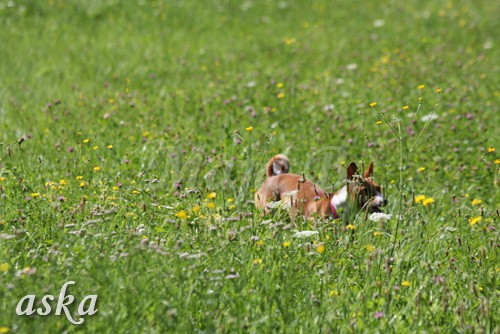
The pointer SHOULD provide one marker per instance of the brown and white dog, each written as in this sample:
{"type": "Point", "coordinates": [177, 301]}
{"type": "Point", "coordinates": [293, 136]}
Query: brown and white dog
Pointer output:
{"type": "Point", "coordinates": [302, 197]}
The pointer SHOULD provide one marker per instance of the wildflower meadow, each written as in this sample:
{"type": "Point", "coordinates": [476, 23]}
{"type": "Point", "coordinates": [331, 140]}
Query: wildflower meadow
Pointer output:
{"type": "Point", "coordinates": [134, 134]}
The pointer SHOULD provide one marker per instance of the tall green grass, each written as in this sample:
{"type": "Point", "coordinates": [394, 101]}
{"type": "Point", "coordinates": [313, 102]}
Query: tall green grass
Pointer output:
{"type": "Point", "coordinates": [133, 136]}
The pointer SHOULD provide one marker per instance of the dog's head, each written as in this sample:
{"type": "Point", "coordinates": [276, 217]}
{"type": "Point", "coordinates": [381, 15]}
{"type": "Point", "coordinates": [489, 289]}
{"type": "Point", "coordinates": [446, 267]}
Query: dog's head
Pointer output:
{"type": "Point", "coordinates": [363, 190]}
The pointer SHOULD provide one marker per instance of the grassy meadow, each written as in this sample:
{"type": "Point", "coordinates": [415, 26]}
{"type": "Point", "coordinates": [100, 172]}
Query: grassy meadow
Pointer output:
{"type": "Point", "coordinates": [133, 135]}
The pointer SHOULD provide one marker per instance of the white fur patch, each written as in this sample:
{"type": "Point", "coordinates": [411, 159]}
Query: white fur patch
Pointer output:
{"type": "Point", "coordinates": [340, 199]}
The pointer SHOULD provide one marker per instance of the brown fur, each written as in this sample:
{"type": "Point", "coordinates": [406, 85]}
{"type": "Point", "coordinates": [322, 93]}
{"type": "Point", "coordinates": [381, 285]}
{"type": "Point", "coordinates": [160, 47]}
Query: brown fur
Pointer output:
{"type": "Point", "coordinates": [307, 199]}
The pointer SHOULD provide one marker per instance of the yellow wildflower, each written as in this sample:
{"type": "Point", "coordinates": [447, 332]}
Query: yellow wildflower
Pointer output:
{"type": "Point", "coordinates": [82, 184]}
{"type": "Point", "coordinates": [196, 208]}
{"type": "Point", "coordinates": [97, 168]}
{"type": "Point", "coordinates": [286, 244]}
{"type": "Point", "coordinates": [85, 141]}
{"type": "Point", "coordinates": [497, 161]}
{"type": "Point", "coordinates": [79, 177]}
{"type": "Point", "coordinates": [250, 128]}
{"type": "Point", "coordinates": [2, 179]}
{"type": "Point", "coordinates": [63, 182]}
{"type": "Point", "coordinates": [406, 283]}
{"type": "Point", "coordinates": [405, 107]}
{"type": "Point", "coordinates": [428, 201]}
{"type": "Point", "coordinates": [320, 248]}
{"type": "Point", "coordinates": [421, 169]}
{"type": "Point", "coordinates": [4, 267]}
{"type": "Point", "coordinates": [473, 221]}
{"type": "Point", "coordinates": [373, 104]}
{"type": "Point", "coordinates": [438, 90]}
{"type": "Point", "coordinates": [476, 201]}
{"type": "Point", "coordinates": [378, 122]}
{"type": "Point", "coordinates": [491, 149]}
{"type": "Point", "coordinates": [116, 188]}
{"type": "Point", "coordinates": [280, 95]}
{"type": "Point", "coordinates": [232, 207]}
{"type": "Point", "coordinates": [4, 330]}
{"type": "Point", "coordinates": [350, 227]}
{"type": "Point", "coordinates": [211, 195]}
{"type": "Point", "coordinates": [109, 146]}
{"type": "Point", "coordinates": [420, 87]}
{"type": "Point", "coordinates": [259, 243]}
{"type": "Point", "coordinates": [280, 85]}
{"type": "Point", "coordinates": [377, 233]}
{"type": "Point", "coordinates": [230, 200]}
{"type": "Point", "coordinates": [333, 293]}
{"type": "Point", "coordinates": [257, 261]}
{"type": "Point", "coordinates": [211, 205]}
{"type": "Point", "coordinates": [35, 194]}
{"type": "Point", "coordinates": [370, 248]}
{"type": "Point", "coordinates": [95, 147]}
{"type": "Point", "coordinates": [181, 214]}
{"type": "Point", "coordinates": [419, 198]}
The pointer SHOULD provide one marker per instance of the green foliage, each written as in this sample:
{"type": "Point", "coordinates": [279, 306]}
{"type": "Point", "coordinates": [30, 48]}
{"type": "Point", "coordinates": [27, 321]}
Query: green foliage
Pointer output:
{"type": "Point", "coordinates": [134, 134]}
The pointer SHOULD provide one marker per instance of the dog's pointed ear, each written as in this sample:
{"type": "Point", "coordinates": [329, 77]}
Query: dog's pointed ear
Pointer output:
{"type": "Point", "coordinates": [351, 170]}
{"type": "Point", "coordinates": [369, 171]}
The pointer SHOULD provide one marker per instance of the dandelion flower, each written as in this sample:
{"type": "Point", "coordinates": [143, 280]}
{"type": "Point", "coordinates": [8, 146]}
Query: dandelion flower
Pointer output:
{"type": "Point", "coordinates": [420, 87]}
{"type": "Point", "coordinates": [85, 141]}
{"type": "Point", "coordinates": [491, 149]}
{"type": "Point", "coordinates": [405, 107]}
{"type": "Point", "coordinates": [4, 330]}
{"type": "Point", "coordinates": [406, 283]}
{"type": "Point", "coordinates": [378, 122]}
{"type": "Point", "coordinates": [377, 233]}
{"type": "Point", "coordinates": [196, 208]}
{"type": "Point", "coordinates": [370, 248]}
{"type": "Point", "coordinates": [250, 128]}
{"type": "Point", "coordinates": [259, 243]}
{"type": "Point", "coordinates": [109, 146]}
{"type": "Point", "coordinates": [211, 195]}
{"type": "Point", "coordinates": [97, 168]}
{"type": "Point", "coordinates": [438, 90]}
{"type": "Point", "coordinates": [4, 267]}
{"type": "Point", "coordinates": [428, 201]}
{"type": "Point", "coordinates": [350, 227]}
{"type": "Point", "coordinates": [210, 205]}
{"type": "Point", "coordinates": [333, 293]}
{"type": "Point", "coordinates": [79, 177]}
{"type": "Point", "coordinates": [320, 248]}
{"type": "Point", "coordinates": [230, 200]}
{"type": "Point", "coordinates": [280, 85]}
{"type": "Point", "coordinates": [497, 161]}
{"type": "Point", "coordinates": [373, 104]}
{"type": "Point", "coordinates": [476, 201]}
{"type": "Point", "coordinates": [35, 194]}
{"type": "Point", "coordinates": [286, 244]}
{"type": "Point", "coordinates": [473, 221]}
{"type": "Point", "coordinates": [181, 214]}
{"type": "Point", "coordinates": [82, 184]}
{"type": "Point", "coordinates": [419, 198]}
{"type": "Point", "coordinates": [280, 95]}
{"type": "Point", "coordinates": [421, 169]}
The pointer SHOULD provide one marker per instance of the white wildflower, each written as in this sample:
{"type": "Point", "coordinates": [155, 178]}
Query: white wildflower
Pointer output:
{"type": "Point", "coordinates": [304, 234]}
{"type": "Point", "coordinates": [380, 217]}
{"type": "Point", "coordinates": [429, 117]}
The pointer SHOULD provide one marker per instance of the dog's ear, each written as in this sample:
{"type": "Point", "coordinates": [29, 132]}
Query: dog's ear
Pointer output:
{"type": "Point", "coordinates": [369, 171]}
{"type": "Point", "coordinates": [351, 170]}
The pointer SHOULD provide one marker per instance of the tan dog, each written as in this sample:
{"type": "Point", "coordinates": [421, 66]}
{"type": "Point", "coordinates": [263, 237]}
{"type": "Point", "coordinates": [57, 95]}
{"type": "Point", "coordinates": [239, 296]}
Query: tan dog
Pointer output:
{"type": "Point", "coordinates": [302, 197]}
